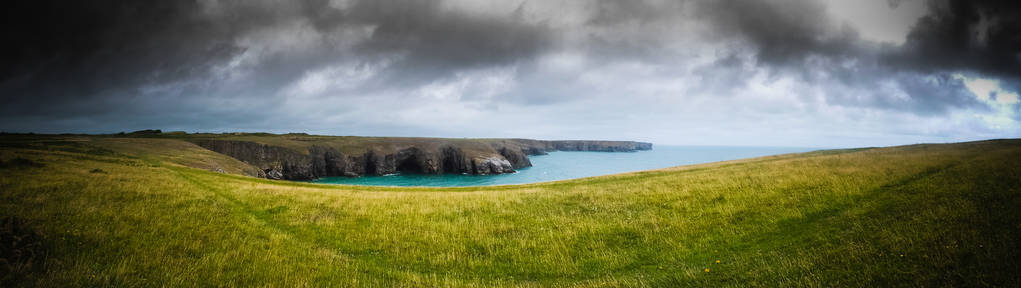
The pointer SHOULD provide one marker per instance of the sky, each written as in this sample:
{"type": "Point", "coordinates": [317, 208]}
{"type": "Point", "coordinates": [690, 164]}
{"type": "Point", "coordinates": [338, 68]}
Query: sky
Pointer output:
{"type": "Point", "coordinates": [827, 73]}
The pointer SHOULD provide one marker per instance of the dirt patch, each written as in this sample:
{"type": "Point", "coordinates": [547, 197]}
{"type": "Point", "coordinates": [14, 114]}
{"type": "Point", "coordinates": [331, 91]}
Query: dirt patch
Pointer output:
{"type": "Point", "coordinates": [21, 251]}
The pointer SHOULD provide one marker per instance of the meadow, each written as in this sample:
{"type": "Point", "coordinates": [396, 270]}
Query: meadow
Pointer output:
{"type": "Point", "coordinates": [139, 212]}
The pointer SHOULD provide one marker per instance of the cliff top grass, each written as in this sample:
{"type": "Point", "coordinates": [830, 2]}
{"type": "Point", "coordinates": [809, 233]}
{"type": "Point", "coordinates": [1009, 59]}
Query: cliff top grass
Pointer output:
{"type": "Point", "coordinates": [115, 212]}
{"type": "Point", "coordinates": [300, 142]}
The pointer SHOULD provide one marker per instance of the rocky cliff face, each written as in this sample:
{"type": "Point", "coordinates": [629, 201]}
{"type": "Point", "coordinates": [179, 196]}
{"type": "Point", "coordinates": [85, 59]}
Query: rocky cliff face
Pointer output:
{"type": "Point", "coordinates": [481, 158]}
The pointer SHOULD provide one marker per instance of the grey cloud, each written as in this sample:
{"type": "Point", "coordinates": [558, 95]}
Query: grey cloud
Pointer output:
{"type": "Point", "coordinates": [74, 51]}
{"type": "Point", "coordinates": [940, 90]}
{"type": "Point", "coordinates": [782, 32]}
{"type": "Point", "coordinates": [78, 52]}
{"type": "Point", "coordinates": [435, 42]}
{"type": "Point", "coordinates": [615, 12]}
{"type": "Point", "coordinates": [89, 63]}
{"type": "Point", "coordinates": [797, 37]}
{"type": "Point", "coordinates": [979, 36]}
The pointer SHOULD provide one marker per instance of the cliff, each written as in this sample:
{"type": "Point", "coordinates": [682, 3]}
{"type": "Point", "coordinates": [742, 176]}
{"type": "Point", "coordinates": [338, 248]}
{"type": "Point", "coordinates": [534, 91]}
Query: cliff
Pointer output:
{"type": "Point", "coordinates": [303, 157]}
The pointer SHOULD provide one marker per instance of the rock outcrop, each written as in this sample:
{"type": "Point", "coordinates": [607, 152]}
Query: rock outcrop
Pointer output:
{"type": "Point", "coordinates": [323, 157]}
{"type": "Point", "coordinates": [492, 165]}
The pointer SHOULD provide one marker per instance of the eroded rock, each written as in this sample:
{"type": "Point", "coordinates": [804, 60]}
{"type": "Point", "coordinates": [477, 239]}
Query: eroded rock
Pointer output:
{"type": "Point", "coordinates": [425, 156]}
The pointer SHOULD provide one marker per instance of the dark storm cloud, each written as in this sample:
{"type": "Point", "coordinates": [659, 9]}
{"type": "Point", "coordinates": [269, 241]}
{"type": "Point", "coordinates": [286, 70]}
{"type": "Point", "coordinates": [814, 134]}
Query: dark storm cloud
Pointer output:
{"type": "Point", "coordinates": [800, 38]}
{"type": "Point", "coordinates": [88, 57]}
{"type": "Point", "coordinates": [434, 42]}
{"type": "Point", "coordinates": [214, 63]}
{"type": "Point", "coordinates": [979, 36]}
{"type": "Point", "coordinates": [60, 51]}
{"type": "Point", "coordinates": [782, 32]}
{"type": "Point", "coordinates": [615, 12]}
{"type": "Point", "coordinates": [957, 36]}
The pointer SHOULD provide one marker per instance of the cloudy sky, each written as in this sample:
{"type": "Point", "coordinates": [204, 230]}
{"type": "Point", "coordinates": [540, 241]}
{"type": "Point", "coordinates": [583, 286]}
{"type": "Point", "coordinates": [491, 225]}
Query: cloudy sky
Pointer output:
{"type": "Point", "coordinates": [828, 73]}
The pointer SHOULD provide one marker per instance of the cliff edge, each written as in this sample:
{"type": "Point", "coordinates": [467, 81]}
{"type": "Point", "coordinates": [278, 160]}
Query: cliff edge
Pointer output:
{"type": "Point", "coordinates": [306, 157]}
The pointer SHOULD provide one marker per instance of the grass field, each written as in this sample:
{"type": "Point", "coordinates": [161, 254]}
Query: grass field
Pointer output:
{"type": "Point", "coordinates": [94, 211]}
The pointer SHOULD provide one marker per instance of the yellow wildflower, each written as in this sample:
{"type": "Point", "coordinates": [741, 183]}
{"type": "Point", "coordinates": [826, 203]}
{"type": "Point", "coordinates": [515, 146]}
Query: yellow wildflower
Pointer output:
{"type": "Point", "coordinates": [706, 270]}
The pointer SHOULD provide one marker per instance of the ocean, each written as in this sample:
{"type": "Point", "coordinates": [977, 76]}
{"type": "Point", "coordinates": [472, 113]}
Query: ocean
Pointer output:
{"type": "Point", "coordinates": [563, 165]}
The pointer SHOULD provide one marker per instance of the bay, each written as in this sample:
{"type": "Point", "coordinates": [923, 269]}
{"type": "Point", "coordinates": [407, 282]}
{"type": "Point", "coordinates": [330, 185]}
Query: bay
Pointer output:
{"type": "Point", "coordinates": [561, 165]}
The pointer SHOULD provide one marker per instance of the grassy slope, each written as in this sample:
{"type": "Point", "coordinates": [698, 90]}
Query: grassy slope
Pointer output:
{"type": "Point", "coordinates": [344, 144]}
{"type": "Point", "coordinates": [350, 145]}
{"type": "Point", "coordinates": [931, 215]}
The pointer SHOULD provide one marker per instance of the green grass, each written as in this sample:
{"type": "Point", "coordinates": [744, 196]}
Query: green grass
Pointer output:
{"type": "Point", "coordinates": [920, 215]}
{"type": "Point", "coordinates": [300, 142]}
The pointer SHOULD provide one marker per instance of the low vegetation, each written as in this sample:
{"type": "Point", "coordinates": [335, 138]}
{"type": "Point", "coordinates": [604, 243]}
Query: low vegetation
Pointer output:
{"type": "Point", "coordinates": [107, 211]}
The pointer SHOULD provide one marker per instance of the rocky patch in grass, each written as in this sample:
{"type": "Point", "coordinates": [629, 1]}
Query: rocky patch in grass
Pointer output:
{"type": "Point", "coordinates": [21, 251]}
{"type": "Point", "coordinates": [20, 163]}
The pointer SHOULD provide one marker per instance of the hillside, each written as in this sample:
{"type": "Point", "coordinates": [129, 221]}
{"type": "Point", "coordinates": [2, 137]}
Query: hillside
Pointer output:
{"type": "Point", "coordinates": [114, 211]}
{"type": "Point", "coordinates": [299, 156]}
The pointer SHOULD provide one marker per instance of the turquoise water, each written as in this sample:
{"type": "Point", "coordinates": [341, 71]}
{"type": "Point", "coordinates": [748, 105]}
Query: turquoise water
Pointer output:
{"type": "Point", "coordinates": [570, 165]}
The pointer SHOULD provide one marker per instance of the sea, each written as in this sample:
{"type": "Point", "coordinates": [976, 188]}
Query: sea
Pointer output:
{"type": "Point", "coordinates": [562, 165]}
